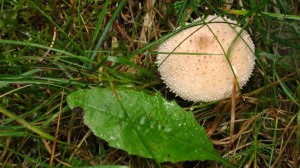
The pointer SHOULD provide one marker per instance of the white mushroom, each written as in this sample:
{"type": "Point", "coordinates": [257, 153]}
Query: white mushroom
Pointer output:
{"type": "Point", "coordinates": [195, 63]}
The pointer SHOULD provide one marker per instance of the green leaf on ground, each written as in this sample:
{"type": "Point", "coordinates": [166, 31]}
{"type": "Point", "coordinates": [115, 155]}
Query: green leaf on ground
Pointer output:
{"type": "Point", "coordinates": [144, 125]}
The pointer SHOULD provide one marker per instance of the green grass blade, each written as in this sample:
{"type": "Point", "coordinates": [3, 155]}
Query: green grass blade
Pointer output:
{"type": "Point", "coordinates": [27, 158]}
{"type": "Point", "coordinates": [80, 25]}
{"type": "Point", "coordinates": [26, 43]}
{"type": "Point", "coordinates": [106, 29]}
{"type": "Point", "coordinates": [27, 124]}
{"type": "Point", "coordinates": [78, 48]}
{"type": "Point", "coordinates": [99, 23]}
{"type": "Point", "coordinates": [286, 90]}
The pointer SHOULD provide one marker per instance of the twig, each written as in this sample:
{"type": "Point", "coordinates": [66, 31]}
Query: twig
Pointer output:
{"type": "Point", "coordinates": [56, 131]}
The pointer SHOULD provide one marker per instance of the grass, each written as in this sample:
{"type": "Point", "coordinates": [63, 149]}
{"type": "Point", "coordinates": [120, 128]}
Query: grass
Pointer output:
{"type": "Point", "coordinates": [49, 49]}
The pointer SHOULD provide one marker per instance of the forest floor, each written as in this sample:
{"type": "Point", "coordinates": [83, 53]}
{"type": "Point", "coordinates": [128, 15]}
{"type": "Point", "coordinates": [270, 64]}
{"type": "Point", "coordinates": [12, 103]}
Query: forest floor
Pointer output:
{"type": "Point", "coordinates": [49, 49]}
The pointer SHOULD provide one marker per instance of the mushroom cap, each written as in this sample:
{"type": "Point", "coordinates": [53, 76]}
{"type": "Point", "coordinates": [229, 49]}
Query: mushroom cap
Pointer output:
{"type": "Point", "coordinates": [199, 65]}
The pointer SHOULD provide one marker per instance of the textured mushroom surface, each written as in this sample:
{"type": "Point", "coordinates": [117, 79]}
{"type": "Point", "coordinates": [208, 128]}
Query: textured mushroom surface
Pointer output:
{"type": "Point", "coordinates": [195, 63]}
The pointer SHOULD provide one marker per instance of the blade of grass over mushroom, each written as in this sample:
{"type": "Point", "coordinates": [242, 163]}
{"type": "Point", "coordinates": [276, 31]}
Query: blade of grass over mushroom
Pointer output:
{"type": "Point", "coordinates": [215, 36]}
{"type": "Point", "coordinates": [171, 133]}
{"type": "Point", "coordinates": [183, 40]}
{"type": "Point", "coordinates": [228, 52]}
{"type": "Point", "coordinates": [160, 40]}
{"type": "Point", "coordinates": [106, 29]}
{"type": "Point", "coordinates": [203, 23]}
